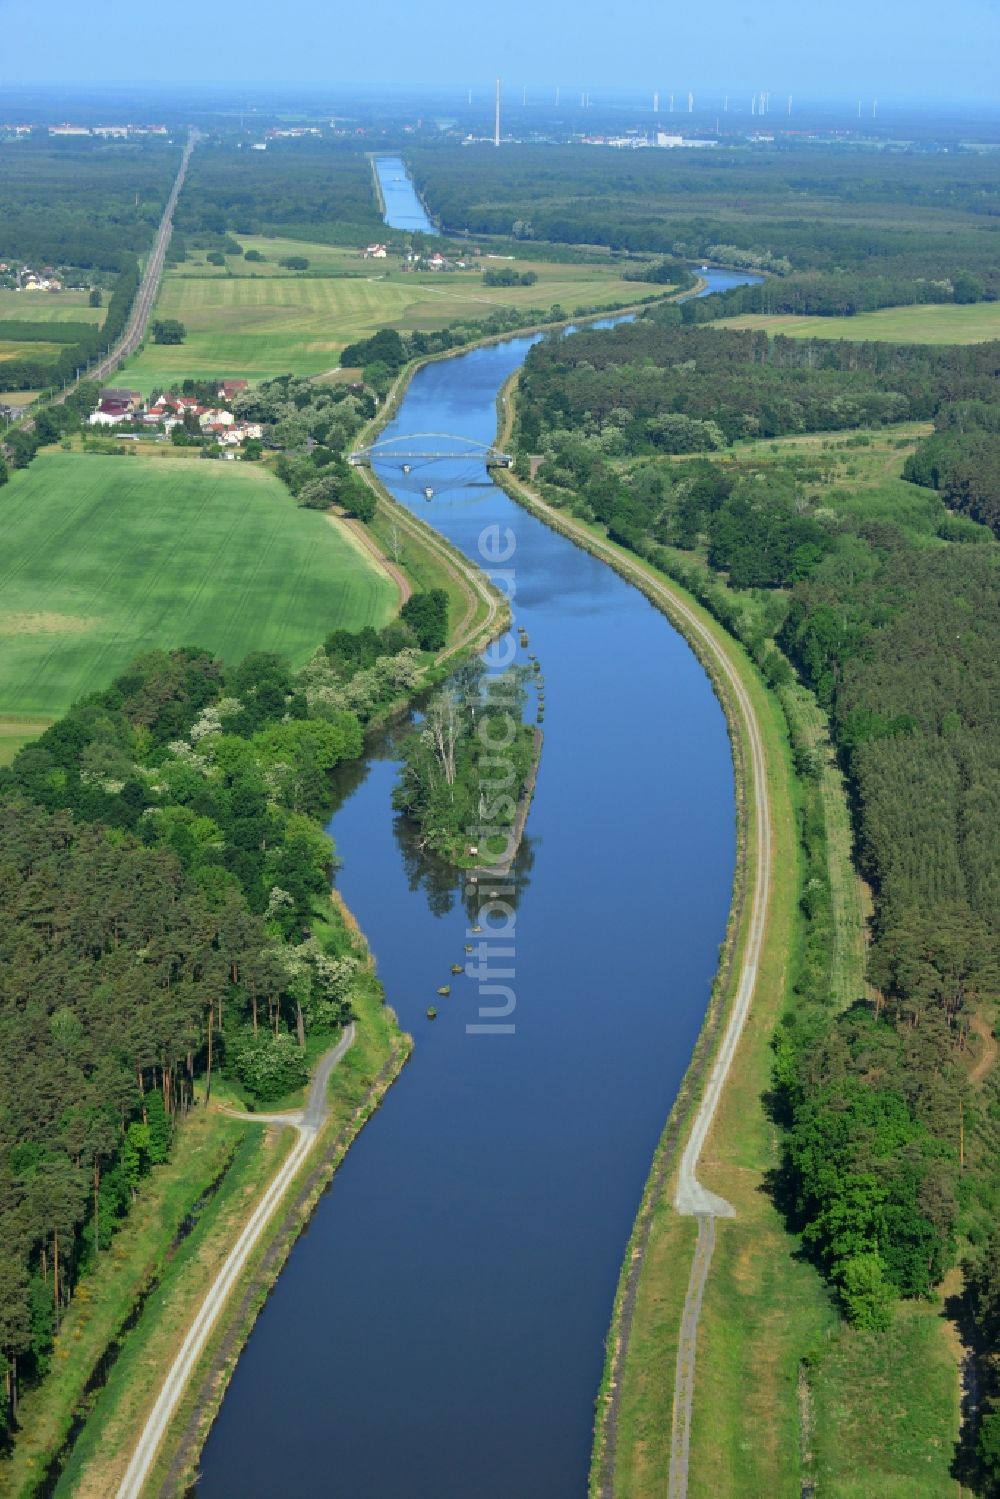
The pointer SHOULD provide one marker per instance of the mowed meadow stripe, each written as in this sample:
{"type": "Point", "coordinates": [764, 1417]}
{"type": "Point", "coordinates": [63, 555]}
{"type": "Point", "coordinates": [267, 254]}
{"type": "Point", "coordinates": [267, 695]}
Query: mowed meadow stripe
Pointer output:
{"type": "Point", "coordinates": [162, 553]}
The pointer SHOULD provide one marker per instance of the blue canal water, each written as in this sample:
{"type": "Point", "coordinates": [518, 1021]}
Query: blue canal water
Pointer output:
{"type": "Point", "coordinates": [438, 1331]}
{"type": "Point", "coordinates": [403, 209]}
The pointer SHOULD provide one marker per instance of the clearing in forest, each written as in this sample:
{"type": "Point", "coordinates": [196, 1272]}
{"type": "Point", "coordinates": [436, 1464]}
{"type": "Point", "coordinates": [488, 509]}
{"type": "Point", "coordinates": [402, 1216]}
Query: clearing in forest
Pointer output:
{"type": "Point", "coordinates": [939, 323]}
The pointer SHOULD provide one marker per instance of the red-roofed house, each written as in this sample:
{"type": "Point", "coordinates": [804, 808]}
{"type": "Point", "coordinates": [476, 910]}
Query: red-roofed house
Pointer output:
{"type": "Point", "coordinates": [110, 413]}
{"type": "Point", "coordinates": [230, 388]}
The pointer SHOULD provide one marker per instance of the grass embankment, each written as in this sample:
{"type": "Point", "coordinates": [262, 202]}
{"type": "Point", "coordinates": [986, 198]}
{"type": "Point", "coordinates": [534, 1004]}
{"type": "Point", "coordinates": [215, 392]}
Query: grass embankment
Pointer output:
{"type": "Point", "coordinates": [782, 1397]}
{"type": "Point", "coordinates": [937, 323]}
{"type": "Point", "coordinates": [476, 610]}
{"type": "Point", "coordinates": [255, 320]}
{"type": "Point", "coordinates": [356, 1087]}
{"type": "Point", "coordinates": [208, 1145]}
{"type": "Point", "coordinates": [107, 557]}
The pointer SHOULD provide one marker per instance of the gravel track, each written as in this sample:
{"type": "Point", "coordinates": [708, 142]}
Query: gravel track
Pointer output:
{"type": "Point", "coordinates": [307, 1122]}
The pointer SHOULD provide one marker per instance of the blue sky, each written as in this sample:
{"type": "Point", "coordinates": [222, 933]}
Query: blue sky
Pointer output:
{"type": "Point", "coordinates": [892, 48]}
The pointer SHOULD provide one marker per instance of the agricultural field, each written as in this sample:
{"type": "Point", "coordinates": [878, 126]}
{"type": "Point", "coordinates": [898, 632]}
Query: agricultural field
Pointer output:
{"type": "Point", "coordinates": [262, 320]}
{"type": "Point", "coordinates": [105, 557]}
{"type": "Point", "coordinates": [16, 348]}
{"type": "Point", "coordinates": [324, 260]}
{"type": "Point", "coordinates": [48, 307]}
{"type": "Point", "coordinates": [942, 323]}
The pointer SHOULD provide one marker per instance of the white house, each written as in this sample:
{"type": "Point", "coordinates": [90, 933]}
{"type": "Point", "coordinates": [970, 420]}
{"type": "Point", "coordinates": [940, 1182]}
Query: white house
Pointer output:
{"type": "Point", "coordinates": [109, 414]}
{"type": "Point", "coordinates": [216, 417]}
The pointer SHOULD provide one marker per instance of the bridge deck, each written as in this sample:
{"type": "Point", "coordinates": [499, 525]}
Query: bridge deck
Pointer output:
{"type": "Point", "coordinates": [468, 447]}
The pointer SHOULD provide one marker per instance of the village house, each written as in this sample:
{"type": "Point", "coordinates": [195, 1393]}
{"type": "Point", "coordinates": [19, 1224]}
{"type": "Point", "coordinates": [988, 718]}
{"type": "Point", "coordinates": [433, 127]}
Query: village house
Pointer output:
{"type": "Point", "coordinates": [375, 252]}
{"type": "Point", "coordinates": [169, 411]}
{"type": "Point", "coordinates": [216, 417]}
{"type": "Point", "coordinates": [229, 389]}
{"type": "Point", "coordinates": [243, 432]}
{"type": "Point", "coordinates": [110, 413]}
{"type": "Point", "coordinates": [132, 399]}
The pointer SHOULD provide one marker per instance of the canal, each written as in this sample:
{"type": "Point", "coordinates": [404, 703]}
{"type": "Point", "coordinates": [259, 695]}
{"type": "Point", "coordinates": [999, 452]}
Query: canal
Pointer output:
{"type": "Point", "coordinates": [438, 1330]}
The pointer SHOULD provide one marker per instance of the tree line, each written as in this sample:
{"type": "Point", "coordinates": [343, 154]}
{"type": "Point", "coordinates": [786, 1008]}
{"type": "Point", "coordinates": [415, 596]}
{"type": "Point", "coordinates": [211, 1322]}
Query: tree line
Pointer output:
{"type": "Point", "coordinates": [891, 614]}
{"type": "Point", "coordinates": [165, 884]}
{"type": "Point", "coordinates": [84, 202]}
{"type": "Point", "coordinates": [846, 293]}
{"type": "Point", "coordinates": [306, 189]}
{"type": "Point", "coordinates": [961, 460]}
{"type": "Point", "coordinates": [896, 215]}
{"type": "Point", "coordinates": [658, 385]}
{"type": "Point", "coordinates": [30, 374]}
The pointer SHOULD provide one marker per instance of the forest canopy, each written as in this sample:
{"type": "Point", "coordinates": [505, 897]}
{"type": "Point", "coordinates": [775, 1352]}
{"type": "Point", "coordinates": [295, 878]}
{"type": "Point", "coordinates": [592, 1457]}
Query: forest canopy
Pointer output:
{"type": "Point", "coordinates": [165, 878]}
{"type": "Point", "coordinates": [888, 608]}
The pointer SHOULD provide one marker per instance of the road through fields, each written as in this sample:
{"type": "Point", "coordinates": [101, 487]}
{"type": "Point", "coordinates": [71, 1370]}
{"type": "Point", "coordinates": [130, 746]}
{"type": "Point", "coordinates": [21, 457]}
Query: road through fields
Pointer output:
{"type": "Point", "coordinates": [146, 295]}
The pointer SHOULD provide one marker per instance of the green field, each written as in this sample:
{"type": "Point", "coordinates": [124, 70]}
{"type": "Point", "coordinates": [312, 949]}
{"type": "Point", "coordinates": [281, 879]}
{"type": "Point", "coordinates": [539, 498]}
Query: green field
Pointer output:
{"type": "Point", "coordinates": [22, 349]}
{"type": "Point", "coordinates": [262, 320]}
{"type": "Point", "coordinates": [946, 323]}
{"type": "Point", "coordinates": [46, 307]}
{"type": "Point", "coordinates": [327, 260]}
{"type": "Point", "coordinates": [107, 557]}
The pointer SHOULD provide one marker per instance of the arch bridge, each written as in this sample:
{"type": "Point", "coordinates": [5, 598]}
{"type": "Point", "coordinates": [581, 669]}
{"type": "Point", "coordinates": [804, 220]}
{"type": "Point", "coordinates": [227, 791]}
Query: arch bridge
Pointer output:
{"type": "Point", "coordinates": [427, 447]}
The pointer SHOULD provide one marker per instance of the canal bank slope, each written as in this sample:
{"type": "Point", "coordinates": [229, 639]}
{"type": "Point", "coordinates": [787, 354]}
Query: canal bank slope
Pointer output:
{"type": "Point", "coordinates": [148, 1427]}
{"type": "Point", "coordinates": [717, 1123]}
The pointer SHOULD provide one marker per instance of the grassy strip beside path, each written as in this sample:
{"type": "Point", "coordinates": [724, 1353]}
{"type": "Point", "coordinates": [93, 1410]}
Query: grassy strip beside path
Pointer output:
{"type": "Point", "coordinates": [103, 1305]}
{"type": "Point", "coordinates": [207, 1146]}
{"type": "Point", "coordinates": [786, 1394]}
{"type": "Point", "coordinates": [356, 1088]}
{"type": "Point", "coordinates": [361, 1082]}
{"type": "Point", "coordinates": [633, 1429]}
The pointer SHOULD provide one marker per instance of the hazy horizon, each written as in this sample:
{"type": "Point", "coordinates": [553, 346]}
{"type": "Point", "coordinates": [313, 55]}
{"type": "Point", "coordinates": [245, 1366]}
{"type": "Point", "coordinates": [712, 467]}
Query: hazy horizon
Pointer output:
{"type": "Point", "coordinates": [905, 53]}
